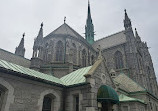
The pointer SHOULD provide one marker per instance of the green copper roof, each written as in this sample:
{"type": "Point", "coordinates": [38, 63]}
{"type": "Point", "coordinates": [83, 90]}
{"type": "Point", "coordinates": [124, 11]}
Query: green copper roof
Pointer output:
{"type": "Point", "coordinates": [107, 94]}
{"type": "Point", "coordinates": [75, 77]}
{"type": "Point", "coordinates": [124, 98]}
{"type": "Point", "coordinates": [29, 72]}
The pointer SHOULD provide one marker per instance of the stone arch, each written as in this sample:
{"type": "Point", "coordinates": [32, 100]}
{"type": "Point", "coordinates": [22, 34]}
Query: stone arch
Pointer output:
{"type": "Point", "coordinates": [56, 97]}
{"type": "Point", "coordinates": [118, 60]}
{"type": "Point", "coordinates": [8, 96]}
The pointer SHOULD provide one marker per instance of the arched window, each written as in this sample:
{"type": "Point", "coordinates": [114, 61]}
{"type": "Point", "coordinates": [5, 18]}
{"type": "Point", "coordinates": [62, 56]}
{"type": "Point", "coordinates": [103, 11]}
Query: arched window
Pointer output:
{"type": "Point", "coordinates": [47, 103]}
{"type": "Point", "coordinates": [59, 51]}
{"type": "Point", "coordinates": [92, 59]}
{"type": "Point", "coordinates": [1, 98]}
{"type": "Point", "coordinates": [84, 57]}
{"type": "Point", "coordinates": [118, 60]}
{"type": "Point", "coordinates": [2, 94]}
{"type": "Point", "coordinates": [74, 53]}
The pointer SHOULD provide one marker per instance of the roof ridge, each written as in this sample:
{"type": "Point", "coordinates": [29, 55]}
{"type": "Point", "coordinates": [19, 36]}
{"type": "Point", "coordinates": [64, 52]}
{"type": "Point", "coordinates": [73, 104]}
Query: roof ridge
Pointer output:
{"type": "Point", "coordinates": [14, 54]}
{"type": "Point", "coordinates": [77, 34]}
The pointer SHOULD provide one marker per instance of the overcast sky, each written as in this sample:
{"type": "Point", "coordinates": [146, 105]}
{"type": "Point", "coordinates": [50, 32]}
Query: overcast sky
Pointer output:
{"type": "Point", "coordinates": [18, 16]}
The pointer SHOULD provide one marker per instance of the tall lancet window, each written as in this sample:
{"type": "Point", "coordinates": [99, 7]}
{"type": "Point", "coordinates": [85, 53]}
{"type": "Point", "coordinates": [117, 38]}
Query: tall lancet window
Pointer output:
{"type": "Point", "coordinates": [74, 54]}
{"type": "Point", "coordinates": [59, 51]}
{"type": "Point", "coordinates": [47, 104]}
{"type": "Point", "coordinates": [118, 60]}
{"type": "Point", "coordinates": [2, 94]}
{"type": "Point", "coordinates": [92, 59]}
{"type": "Point", "coordinates": [84, 57]}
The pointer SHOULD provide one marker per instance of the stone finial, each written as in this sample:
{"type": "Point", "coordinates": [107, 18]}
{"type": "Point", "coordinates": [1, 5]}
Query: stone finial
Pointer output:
{"type": "Point", "coordinates": [64, 19]}
{"type": "Point", "coordinates": [100, 51]}
{"type": "Point", "coordinates": [125, 10]}
{"type": "Point", "coordinates": [23, 35]}
{"type": "Point", "coordinates": [41, 24]}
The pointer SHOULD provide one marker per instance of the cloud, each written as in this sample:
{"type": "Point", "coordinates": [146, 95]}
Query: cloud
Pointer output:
{"type": "Point", "coordinates": [18, 16]}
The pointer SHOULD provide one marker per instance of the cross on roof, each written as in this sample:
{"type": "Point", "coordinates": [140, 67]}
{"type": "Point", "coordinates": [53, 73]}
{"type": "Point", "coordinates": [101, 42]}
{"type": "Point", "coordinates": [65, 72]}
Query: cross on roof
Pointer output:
{"type": "Point", "coordinates": [64, 19]}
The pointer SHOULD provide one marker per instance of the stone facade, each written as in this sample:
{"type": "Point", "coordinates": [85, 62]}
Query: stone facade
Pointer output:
{"type": "Point", "coordinates": [64, 51]}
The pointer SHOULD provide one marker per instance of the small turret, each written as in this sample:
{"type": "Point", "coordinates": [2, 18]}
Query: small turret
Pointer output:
{"type": "Point", "coordinates": [37, 56]}
{"type": "Point", "coordinates": [89, 28]}
{"type": "Point", "coordinates": [38, 41]}
{"type": "Point", "coordinates": [20, 50]}
{"type": "Point", "coordinates": [137, 36]}
{"type": "Point", "coordinates": [127, 21]}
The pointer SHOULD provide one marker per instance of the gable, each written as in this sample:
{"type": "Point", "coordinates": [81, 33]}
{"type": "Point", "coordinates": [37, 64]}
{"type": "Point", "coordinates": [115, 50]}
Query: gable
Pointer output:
{"type": "Point", "coordinates": [65, 29]}
{"type": "Point", "coordinates": [100, 74]}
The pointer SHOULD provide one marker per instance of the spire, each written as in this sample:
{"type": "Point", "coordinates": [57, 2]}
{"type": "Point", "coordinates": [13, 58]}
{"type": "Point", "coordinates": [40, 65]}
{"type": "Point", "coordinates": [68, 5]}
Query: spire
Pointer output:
{"type": "Point", "coordinates": [39, 39]}
{"type": "Point", "coordinates": [22, 41]}
{"type": "Point", "coordinates": [127, 21]}
{"type": "Point", "coordinates": [89, 12]}
{"type": "Point", "coordinates": [20, 50]}
{"type": "Point", "coordinates": [40, 34]}
{"type": "Point", "coordinates": [137, 36]}
{"type": "Point", "coordinates": [89, 28]}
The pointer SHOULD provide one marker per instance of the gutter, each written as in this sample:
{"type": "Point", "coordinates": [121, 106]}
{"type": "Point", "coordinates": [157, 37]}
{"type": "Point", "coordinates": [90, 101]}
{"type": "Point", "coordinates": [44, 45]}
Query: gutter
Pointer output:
{"type": "Point", "coordinates": [14, 73]}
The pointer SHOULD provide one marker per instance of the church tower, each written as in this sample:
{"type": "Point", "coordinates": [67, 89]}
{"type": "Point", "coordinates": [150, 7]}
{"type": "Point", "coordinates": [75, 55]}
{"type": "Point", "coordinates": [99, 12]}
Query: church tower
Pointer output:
{"type": "Point", "coordinates": [20, 50]}
{"type": "Point", "coordinates": [89, 28]}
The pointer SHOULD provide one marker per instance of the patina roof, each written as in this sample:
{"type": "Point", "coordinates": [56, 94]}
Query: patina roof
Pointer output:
{"type": "Point", "coordinates": [124, 98]}
{"type": "Point", "coordinates": [73, 78]}
{"type": "Point", "coordinates": [76, 77]}
{"type": "Point", "coordinates": [28, 72]}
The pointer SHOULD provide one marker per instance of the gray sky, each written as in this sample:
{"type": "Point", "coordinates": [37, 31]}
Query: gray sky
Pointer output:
{"type": "Point", "coordinates": [18, 16]}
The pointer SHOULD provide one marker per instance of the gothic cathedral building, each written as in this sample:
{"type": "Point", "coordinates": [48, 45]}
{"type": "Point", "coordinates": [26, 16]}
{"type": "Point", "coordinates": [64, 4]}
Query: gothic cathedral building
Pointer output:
{"type": "Point", "coordinates": [68, 72]}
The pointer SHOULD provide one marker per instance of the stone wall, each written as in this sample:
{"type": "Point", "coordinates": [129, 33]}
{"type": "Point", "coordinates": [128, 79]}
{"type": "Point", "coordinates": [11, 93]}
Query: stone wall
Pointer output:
{"type": "Point", "coordinates": [27, 95]}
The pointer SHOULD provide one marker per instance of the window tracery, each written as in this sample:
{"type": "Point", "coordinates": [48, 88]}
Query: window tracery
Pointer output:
{"type": "Point", "coordinates": [118, 60]}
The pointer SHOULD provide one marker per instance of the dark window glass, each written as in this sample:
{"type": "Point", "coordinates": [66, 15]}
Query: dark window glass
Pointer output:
{"type": "Point", "coordinates": [1, 98]}
{"type": "Point", "coordinates": [92, 59]}
{"type": "Point", "coordinates": [59, 51]}
{"type": "Point", "coordinates": [47, 102]}
{"type": "Point", "coordinates": [118, 60]}
{"type": "Point", "coordinates": [77, 103]}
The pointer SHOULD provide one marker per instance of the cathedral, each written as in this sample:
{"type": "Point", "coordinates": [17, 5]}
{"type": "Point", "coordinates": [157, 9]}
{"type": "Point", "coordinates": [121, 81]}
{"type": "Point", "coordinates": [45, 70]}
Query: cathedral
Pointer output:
{"type": "Point", "coordinates": [68, 72]}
